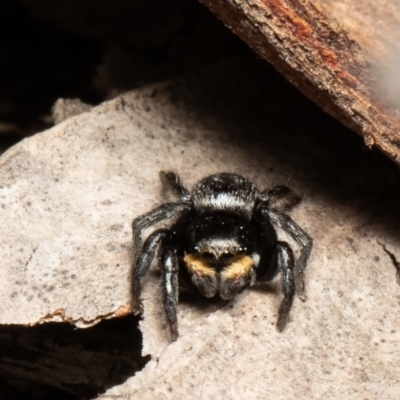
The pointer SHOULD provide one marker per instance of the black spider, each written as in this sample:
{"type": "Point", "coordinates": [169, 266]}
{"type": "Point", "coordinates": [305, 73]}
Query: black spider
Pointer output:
{"type": "Point", "coordinates": [223, 239]}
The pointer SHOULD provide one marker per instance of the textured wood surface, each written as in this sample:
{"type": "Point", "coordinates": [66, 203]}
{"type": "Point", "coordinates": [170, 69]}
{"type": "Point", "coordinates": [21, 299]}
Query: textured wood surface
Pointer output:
{"type": "Point", "coordinates": [335, 52]}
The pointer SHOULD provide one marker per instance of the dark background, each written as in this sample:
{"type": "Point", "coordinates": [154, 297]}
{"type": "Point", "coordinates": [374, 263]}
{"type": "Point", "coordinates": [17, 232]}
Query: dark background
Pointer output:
{"type": "Point", "coordinates": [92, 50]}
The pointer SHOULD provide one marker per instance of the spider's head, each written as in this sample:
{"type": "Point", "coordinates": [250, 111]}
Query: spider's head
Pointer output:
{"type": "Point", "coordinates": [219, 238]}
{"type": "Point", "coordinates": [219, 253]}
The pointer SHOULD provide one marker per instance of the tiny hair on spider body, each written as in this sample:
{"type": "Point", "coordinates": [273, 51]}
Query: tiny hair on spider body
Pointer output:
{"type": "Point", "coordinates": [222, 239]}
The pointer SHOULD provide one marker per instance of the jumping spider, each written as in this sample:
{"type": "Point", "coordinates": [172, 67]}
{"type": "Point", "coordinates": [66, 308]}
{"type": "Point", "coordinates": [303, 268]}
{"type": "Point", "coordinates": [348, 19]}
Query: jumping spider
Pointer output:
{"type": "Point", "coordinates": [223, 239]}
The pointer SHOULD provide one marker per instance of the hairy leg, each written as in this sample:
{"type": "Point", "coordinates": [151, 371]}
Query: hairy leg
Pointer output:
{"type": "Point", "coordinates": [280, 198]}
{"type": "Point", "coordinates": [301, 237]}
{"type": "Point", "coordinates": [174, 182]}
{"type": "Point", "coordinates": [165, 211]}
{"type": "Point", "coordinates": [141, 265]}
{"type": "Point", "coordinates": [171, 289]}
{"type": "Point", "coordinates": [286, 266]}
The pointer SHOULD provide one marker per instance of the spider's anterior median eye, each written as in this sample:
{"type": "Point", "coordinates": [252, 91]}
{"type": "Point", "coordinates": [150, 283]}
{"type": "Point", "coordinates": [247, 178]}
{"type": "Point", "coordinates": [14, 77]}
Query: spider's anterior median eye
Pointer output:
{"type": "Point", "coordinates": [208, 257]}
{"type": "Point", "coordinates": [226, 257]}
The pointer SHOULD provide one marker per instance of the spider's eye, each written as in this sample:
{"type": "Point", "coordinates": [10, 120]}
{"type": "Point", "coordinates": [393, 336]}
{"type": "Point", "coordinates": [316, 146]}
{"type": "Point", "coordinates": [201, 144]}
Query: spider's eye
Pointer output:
{"type": "Point", "coordinates": [241, 251]}
{"type": "Point", "coordinates": [226, 258]}
{"type": "Point", "coordinates": [208, 257]}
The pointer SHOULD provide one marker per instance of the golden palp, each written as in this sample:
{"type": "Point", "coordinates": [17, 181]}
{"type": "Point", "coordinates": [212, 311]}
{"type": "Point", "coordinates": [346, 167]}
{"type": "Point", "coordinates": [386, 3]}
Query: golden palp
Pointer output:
{"type": "Point", "coordinates": [238, 269]}
{"type": "Point", "coordinates": [196, 265]}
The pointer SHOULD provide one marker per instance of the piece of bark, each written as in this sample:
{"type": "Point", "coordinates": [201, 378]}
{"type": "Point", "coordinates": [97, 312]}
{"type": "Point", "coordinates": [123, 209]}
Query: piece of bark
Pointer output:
{"type": "Point", "coordinates": [329, 51]}
{"type": "Point", "coordinates": [68, 196]}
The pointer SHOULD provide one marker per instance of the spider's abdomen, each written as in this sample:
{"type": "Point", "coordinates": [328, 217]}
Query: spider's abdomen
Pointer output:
{"type": "Point", "coordinates": [225, 192]}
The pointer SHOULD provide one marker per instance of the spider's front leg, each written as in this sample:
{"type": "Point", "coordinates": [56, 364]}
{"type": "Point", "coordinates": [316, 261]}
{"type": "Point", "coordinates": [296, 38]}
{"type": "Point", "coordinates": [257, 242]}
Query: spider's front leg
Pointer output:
{"type": "Point", "coordinates": [141, 266]}
{"type": "Point", "coordinates": [301, 237]}
{"type": "Point", "coordinates": [170, 282]}
{"type": "Point", "coordinates": [286, 266]}
{"type": "Point", "coordinates": [165, 211]}
{"type": "Point", "coordinates": [143, 255]}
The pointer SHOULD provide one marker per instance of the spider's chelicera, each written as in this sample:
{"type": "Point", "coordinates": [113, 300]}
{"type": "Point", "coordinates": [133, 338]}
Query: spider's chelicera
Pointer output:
{"type": "Point", "coordinates": [223, 239]}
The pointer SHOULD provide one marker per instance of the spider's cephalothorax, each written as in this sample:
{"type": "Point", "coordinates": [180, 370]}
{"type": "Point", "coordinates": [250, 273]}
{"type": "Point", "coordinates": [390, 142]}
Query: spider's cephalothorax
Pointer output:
{"type": "Point", "coordinates": [223, 239]}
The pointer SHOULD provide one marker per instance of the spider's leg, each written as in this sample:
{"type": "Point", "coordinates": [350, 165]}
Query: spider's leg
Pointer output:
{"type": "Point", "coordinates": [174, 182]}
{"type": "Point", "coordinates": [280, 198]}
{"type": "Point", "coordinates": [301, 237]}
{"type": "Point", "coordinates": [139, 268]}
{"type": "Point", "coordinates": [286, 266]}
{"type": "Point", "coordinates": [170, 288]}
{"type": "Point", "coordinates": [167, 210]}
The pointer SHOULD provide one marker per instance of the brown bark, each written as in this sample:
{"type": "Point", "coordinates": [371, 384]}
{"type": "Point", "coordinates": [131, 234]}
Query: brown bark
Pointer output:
{"type": "Point", "coordinates": [324, 53]}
